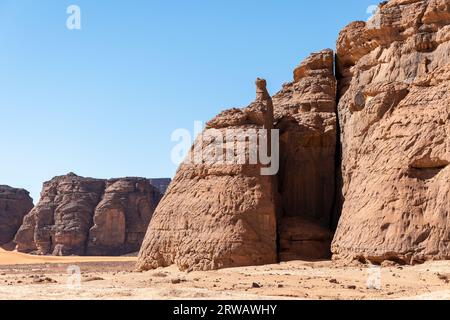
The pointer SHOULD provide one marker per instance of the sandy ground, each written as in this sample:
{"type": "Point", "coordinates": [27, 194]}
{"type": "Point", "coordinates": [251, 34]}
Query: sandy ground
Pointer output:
{"type": "Point", "coordinates": [16, 258]}
{"type": "Point", "coordinates": [30, 277]}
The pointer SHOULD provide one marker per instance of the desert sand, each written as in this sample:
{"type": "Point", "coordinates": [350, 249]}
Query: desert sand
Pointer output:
{"type": "Point", "coordinates": [36, 277]}
{"type": "Point", "coordinates": [16, 258]}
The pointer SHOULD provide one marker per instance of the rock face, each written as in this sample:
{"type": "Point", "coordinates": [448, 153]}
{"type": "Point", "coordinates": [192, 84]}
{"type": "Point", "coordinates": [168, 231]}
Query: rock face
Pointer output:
{"type": "Point", "coordinates": [364, 148]}
{"type": "Point", "coordinates": [217, 215]}
{"type": "Point", "coordinates": [394, 81]}
{"type": "Point", "coordinates": [85, 216]}
{"type": "Point", "coordinates": [14, 205]}
{"type": "Point", "coordinates": [121, 218]}
{"type": "Point", "coordinates": [222, 215]}
{"type": "Point", "coordinates": [305, 114]}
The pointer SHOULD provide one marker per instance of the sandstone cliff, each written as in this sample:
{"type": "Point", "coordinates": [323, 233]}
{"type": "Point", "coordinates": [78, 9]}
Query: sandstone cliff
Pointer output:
{"type": "Point", "coordinates": [364, 149]}
{"type": "Point", "coordinates": [305, 114]}
{"type": "Point", "coordinates": [217, 216]}
{"type": "Point", "coordinates": [394, 108]}
{"type": "Point", "coordinates": [85, 216]}
{"type": "Point", "coordinates": [14, 205]}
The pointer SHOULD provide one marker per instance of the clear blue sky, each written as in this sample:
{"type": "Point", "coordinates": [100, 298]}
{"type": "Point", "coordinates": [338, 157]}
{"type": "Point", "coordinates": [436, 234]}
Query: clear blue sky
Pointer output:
{"type": "Point", "coordinates": [103, 101]}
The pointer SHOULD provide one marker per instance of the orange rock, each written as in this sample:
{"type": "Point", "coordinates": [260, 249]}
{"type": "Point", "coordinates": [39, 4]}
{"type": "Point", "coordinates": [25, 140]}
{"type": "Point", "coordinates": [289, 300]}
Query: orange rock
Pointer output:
{"type": "Point", "coordinates": [386, 180]}
{"type": "Point", "coordinates": [217, 215]}
{"type": "Point", "coordinates": [395, 130]}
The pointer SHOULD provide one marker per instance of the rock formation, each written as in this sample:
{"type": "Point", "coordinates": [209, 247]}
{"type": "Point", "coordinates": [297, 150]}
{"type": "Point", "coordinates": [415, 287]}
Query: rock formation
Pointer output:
{"type": "Point", "coordinates": [14, 205]}
{"type": "Point", "coordinates": [219, 215]}
{"type": "Point", "coordinates": [214, 214]}
{"type": "Point", "coordinates": [364, 149]}
{"type": "Point", "coordinates": [305, 114]}
{"type": "Point", "coordinates": [121, 218]}
{"type": "Point", "coordinates": [394, 108]}
{"type": "Point", "coordinates": [85, 216]}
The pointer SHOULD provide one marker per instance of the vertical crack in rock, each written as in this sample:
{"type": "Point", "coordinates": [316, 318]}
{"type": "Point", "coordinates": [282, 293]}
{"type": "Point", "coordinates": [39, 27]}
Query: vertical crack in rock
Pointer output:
{"type": "Point", "coordinates": [338, 196]}
{"type": "Point", "coordinates": [305, 113]}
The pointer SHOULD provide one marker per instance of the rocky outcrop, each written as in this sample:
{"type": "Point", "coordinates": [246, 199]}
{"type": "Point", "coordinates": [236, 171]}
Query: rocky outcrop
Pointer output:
{"type": "Point", "coordinates": [364, 149]}
{"type": "Point", "coordinates": [228, 215]}
{"type": "Point", "coordinates": [85, 216]}
{"type": "Point", "coordinates": [214, 214]}
{"type": "Point", "coordinates": [363, 170]}
{"type": "Point", "coordinates": [14, 205]}
{"type": "Point", "coordinates": [60, 222]}
{"type": "Point", "coordinates": [121, 218]}
{"type": "Point", "coordinates": [394, 76]}
{"type": "Point", "coordinates": [305, 114]}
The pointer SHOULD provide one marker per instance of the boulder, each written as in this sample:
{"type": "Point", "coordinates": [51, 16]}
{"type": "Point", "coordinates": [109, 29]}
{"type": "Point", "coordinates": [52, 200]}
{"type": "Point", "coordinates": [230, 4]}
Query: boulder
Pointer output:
{"type": "Point", "coordinates": [215, 214]}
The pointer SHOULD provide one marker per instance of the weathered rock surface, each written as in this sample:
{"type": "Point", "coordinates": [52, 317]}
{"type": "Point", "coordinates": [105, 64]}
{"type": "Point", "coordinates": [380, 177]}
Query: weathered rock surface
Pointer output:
{"type": "Point", "coordinates": [121, 218]}
{"type": "Point", "coordinates": [385, 183]}
{"type": "Point", "coordinates": [305, 114]}
{"type": "Point", "coordinates": [14, 205]}
{"type": "Point", "coordinates": [394, 81]}
{"type": "Point", "coordinates": [217, 215]}
{"type": "Point", "coordinates": [85, 216]}
{"type": "Point", "coordinates": [301, 239]}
